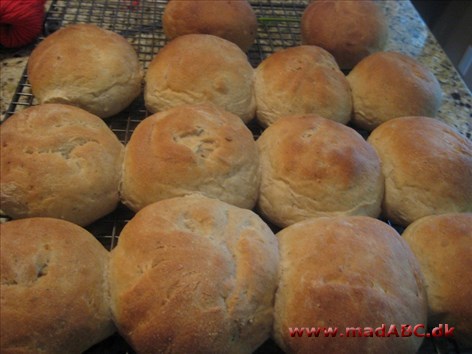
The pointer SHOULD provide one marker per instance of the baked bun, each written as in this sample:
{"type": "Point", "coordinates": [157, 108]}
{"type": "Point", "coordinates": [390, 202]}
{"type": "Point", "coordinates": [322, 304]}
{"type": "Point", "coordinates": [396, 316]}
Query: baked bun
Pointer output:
{"type": "Point", "coordinates": [299, 80]}
{"type": "Point", "coordinates": [388, 85]}
{"type": "Point", "coordinates": [427, 167]}
{"type": "Point", "coordinates": [194, 275]}
{"type": "Point", "coordinates": [191, 149]}
{"type": "Point", "coordinates": [198, 68]}
{"type": "Point", "coordinates": [349, 30]}
{"type": "Point", "coordinates": [54, 288]}
{"type": "Point", "coordinates": [234, 21]}
{"type": "Point", "coordinates": [59, 161]}
{"type": "Point", "coordinates": [314, 167]}
{"type": "Point", "coordinates": [347, 272]}
{"type": "Point", "coordinates": [86, 66]}
{"type": "Point", "coordinates": [443, 246]}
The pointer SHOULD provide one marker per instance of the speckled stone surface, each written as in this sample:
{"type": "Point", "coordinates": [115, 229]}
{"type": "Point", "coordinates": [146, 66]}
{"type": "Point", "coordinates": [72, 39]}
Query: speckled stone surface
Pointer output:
{"type": "Point", "coordinates": [408, 34]}
{"type": "Point", "coordinates": [11, 67]}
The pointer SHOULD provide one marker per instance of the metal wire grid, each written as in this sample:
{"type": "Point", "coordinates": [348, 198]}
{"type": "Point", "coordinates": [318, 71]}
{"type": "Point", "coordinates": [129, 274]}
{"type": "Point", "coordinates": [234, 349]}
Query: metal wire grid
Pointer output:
{"type": "Point", "coordinates": [140, 22]}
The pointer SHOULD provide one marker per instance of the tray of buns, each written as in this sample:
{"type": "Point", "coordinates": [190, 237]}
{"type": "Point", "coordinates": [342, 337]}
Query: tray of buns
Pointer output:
{"type": "Point", "coordinates": [140, 23]}
{"type": "Point", "coordinates": [278, 31]}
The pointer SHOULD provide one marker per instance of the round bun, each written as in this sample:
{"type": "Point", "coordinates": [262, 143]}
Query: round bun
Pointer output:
{"type": "Point", "coordinates": [443, 246]}
{"type": "Point", "coordinates": [191, 149]}
{"type": "Point", "coordinates": [427, 167]}
{"type": "Point", "coordinates": [346, 272]}
{"type": "Point", "coordinates": [349, 30]}
{"type": "Point", "coordinates": [314, 167]}
{"type": "Point", "coordinates": [194, 275]}
{"type": "Point", "coordinates": [198, 68]}
{"type": "Point", "coordinates": [86, 66]}
{"type": "Point", "coordinates": [234, 21]}
{"type": "Point", "coordinates": [59, 161]}
{"type": "Point", "coordinates": [388, 85]}
{"type": "Point", "coordinates": [54, 288]}
{"type": "Point", "coordinates": [299, 80]}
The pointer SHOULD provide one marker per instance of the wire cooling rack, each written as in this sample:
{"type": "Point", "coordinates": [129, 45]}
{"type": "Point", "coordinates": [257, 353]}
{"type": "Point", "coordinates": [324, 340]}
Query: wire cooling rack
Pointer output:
{"type": "Point", "coordinates": [139, 21]}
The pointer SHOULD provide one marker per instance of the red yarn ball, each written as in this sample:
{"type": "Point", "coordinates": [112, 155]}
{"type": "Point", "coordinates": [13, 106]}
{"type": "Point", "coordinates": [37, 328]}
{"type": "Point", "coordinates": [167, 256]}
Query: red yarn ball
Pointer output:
{"type": "Point", "coordinates": [21, 21]}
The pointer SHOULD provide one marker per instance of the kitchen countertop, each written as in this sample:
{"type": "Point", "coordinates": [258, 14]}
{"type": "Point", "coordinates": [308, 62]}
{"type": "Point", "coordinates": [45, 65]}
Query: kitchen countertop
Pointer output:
{"type": "Point", "coordinates": [408, 34]}
{"type": "Point", "coordinates": [11, 68]}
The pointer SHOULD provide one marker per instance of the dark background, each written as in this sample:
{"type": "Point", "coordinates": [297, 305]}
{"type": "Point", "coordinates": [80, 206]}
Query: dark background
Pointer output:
{"type": "Point", "coordinates": [451, 23]}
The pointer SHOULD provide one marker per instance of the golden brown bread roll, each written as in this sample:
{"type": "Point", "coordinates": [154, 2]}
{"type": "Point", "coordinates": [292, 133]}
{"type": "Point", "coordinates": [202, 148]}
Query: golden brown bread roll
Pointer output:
{"type": "Point", "coordinates": [200, 68]}
{"type": "Point", "coordinates": [427, 167]}
{"type": "Point", "coordinates": [86, 66]}
{"type": "Point", "coordinates": [194, 275]}
{"type": "Point", "coordinates": [443, 246]}
{"type": "Point", "coordinates": [300, 80]}
{"type": "Point", "coordinates": [347, 272]}
{"type": "Point", "coordinates": [54, 288]}
{"type": "Point", "coordinates": [388, 85]}
{"type": "Point", "coordinates": [59, 161]}
{"type": "Point", "coordinates": [234, 21]}
{"type": "Point", "coordinates": [314, 167]}
{"type": "Point", "coordinates": [349, 30]}
{"type": "Point", "coordinates": [191, 149]}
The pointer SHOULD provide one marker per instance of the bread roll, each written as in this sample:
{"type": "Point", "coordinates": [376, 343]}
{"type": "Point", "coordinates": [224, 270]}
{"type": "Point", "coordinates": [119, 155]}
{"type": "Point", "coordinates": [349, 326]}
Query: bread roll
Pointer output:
{"type": "Point", "coordinates": [86, 66]}
{"type": "Point", "coordinates": [199, 68]}
{"type": "Point", "coordinates": [314, 167]}
{"type": "Point", "coordinates": [349, 30]}
{"type": "Point", "coordinates": [299, 80]}
{"type": "Point", "coordinates": [194, 275]}
{"type": "Point", "coordinates": [388, 85]}
{"type": "Point", "coordinates": [347, 272]}
{"type": "Point", "coordinates": [234, 21]}
{"type": "Point", "coordinates": [59, 161]}
{"type": "Point", "coordinates": [427, 167]}
{"type": "Point", "coordinates": [54, 288]}
{"type": "Point", "coordinates": [443, 246]}
{"type": "Point", "coordinates": [191, 149]}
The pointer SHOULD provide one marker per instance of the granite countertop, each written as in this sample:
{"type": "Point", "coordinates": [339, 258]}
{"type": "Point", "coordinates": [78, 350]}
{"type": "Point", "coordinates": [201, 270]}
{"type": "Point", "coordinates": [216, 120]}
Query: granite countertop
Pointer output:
{"type": "Point", "coordinates": [11, 68]}
{"type": "Point", "coordinates": [408, 34]}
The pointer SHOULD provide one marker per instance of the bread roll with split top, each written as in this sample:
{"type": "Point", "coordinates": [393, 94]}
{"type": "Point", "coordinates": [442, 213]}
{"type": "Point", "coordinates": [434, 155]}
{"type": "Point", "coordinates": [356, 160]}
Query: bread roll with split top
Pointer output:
{"type": "Point", "coordinates": [194, 275]}
{"type": "Point", "coordinates": [191, 149]}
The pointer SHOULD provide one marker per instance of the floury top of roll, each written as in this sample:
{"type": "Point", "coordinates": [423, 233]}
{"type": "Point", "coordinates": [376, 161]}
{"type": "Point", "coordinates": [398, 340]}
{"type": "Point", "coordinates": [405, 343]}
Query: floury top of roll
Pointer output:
{"type": "Point", "coordinates": [86, 66]}
{"type": "Point", "coordinates": [187, 149]}
{"type": "Point", "coordinates": [301, 80]}
{"type": "Point", "coordinates": [427, 167]}
{"type": "Point", "coordinates": [59, 161]}
{"type": "Point", "coordinates": [313, 167]}
{"type": "Point", "coordinates": [194, 263]}
{"type": "Point", "coordinates": [54, 288]}
{"type": "Point", "coordinates": [200, 68]}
